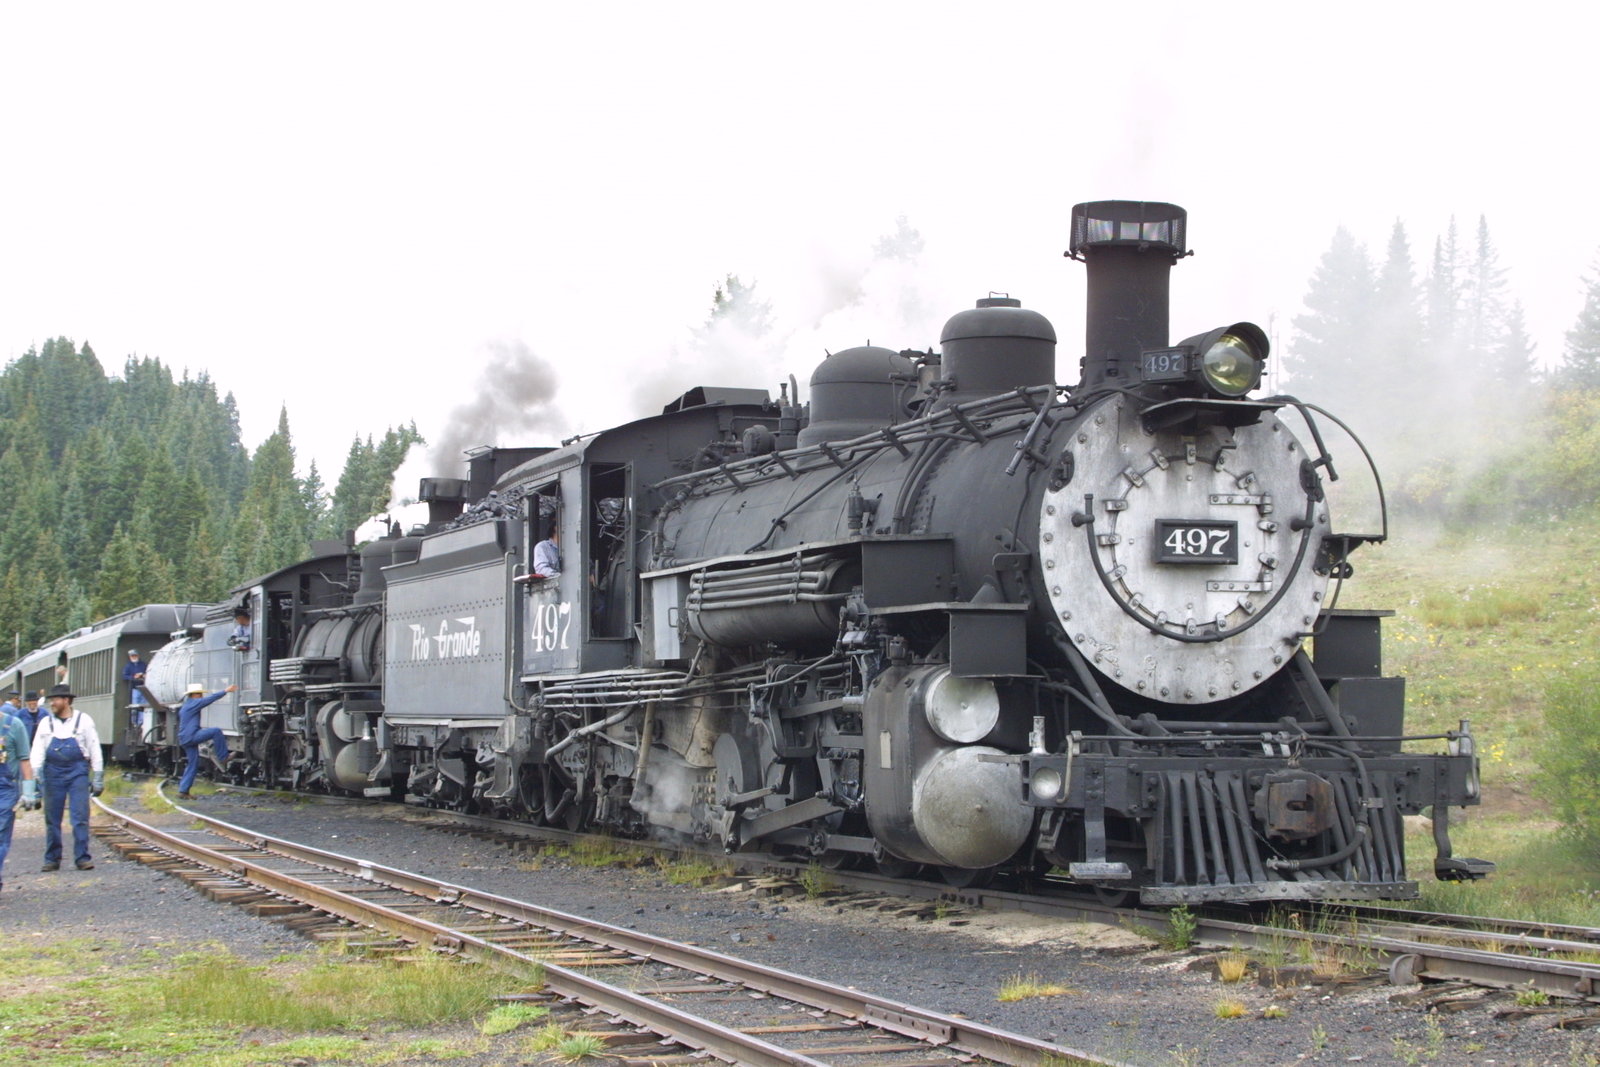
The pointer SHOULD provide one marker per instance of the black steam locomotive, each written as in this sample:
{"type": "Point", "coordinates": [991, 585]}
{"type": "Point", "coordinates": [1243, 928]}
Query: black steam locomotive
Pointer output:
{"type": "Point", "coordinates": [947, 615]}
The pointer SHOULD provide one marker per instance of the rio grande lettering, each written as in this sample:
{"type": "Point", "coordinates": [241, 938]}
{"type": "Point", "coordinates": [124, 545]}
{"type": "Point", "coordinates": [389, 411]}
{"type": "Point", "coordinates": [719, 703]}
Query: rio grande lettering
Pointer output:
{"type": "Point", "coordinates": [455, 638]}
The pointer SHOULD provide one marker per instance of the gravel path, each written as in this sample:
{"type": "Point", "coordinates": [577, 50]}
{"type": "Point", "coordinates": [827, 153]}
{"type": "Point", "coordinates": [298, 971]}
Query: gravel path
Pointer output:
{"type": "Point", "coordinates": [1124, 998]}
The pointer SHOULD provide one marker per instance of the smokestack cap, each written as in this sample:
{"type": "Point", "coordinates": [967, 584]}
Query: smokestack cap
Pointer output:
{"type": "Point", "coordinates": [1128, 223]}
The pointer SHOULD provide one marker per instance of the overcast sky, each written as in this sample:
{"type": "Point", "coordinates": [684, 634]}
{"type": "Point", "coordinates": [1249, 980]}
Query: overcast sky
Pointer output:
{"type": "Point", "coordinates": [354, 209]}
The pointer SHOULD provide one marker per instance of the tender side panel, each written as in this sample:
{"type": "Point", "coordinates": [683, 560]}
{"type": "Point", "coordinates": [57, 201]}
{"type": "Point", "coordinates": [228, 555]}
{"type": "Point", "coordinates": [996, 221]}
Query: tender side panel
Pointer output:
{"type": "Point", "coordinates": [445, 635]}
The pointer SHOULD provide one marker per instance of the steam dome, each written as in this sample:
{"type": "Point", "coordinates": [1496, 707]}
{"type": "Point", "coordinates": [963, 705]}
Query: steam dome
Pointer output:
{"type": "Point", "coordinates": [858, 391]}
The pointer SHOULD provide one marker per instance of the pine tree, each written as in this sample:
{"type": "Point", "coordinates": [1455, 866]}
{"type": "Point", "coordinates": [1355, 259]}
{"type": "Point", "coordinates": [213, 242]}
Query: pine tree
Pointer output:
{"type": "Point", "coordinates": [352, 492]}
{"type": "Point", "coordinates": [1513, 366]}
{"type": "Point", "coordinates": [1443, 332]}
{"type": "Point", "coordinates": [734, 303]}
{"type": "Point", "coordinates": [120, 583]}
{"type": "Point", "coordinates": [202, 576]}
{"type": "Point", "coordinates": [1580, 366]}
{"type": "Point", "coordinates": [1484, 297]}
{"type": "Point", "coordinates": [1331, 354]}
{"type": "Point", "coordinates": [273, 529]}
{"type": "Point", "coordinates": [314, 501]}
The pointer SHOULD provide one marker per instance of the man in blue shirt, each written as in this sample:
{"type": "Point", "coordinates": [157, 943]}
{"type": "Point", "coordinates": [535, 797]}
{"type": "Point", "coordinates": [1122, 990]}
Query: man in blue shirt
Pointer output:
{"type": "Point", "coordinates": [12, 703]}
{"type": "Point", "coordinates": [191, 736]}
{"type": "Point", "coordinates": [239, 639]}
{"type": "Point", "coordinates": [32, 713]}
{"type": "Point", "coordinates": [133, 677]}
{"type": "Point", "coordinates": [16, 772]}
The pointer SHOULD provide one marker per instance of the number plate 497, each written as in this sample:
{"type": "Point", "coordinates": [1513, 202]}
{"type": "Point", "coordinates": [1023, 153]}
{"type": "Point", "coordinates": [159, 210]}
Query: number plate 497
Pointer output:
{"type": "Point", "coordinates": [1196, 541]}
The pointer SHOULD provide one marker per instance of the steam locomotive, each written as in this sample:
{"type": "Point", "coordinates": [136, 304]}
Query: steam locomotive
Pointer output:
{"type": "Point", "coordinates": [946, 616]}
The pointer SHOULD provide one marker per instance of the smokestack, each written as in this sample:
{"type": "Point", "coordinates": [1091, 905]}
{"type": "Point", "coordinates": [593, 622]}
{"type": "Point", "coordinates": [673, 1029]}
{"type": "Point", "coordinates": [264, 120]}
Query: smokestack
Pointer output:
{"type": "Point", "coordinates": [1129, 247]}
{"type": "Point", "coordinates": [445, 497]}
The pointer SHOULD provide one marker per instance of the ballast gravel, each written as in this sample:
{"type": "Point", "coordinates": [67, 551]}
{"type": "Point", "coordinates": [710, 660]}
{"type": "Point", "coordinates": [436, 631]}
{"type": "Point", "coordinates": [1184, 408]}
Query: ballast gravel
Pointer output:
{"type": "Point", "coordinates": [1118, 995]}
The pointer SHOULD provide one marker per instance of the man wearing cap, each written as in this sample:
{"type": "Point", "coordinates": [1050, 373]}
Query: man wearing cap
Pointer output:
{"type": "Point", "coordinates": [16, 770]}
{"type": "Point", "coordinates": [31, 714]}
{"type": "Point", "coordinates": [67, 748]}
{"type": "Point", "coordinates": [133, 677]}
{"type": "Point", "coordinates": [191, 737]}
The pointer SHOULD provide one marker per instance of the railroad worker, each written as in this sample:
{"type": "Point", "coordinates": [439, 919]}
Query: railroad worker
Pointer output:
{"type": "Point", "coordinates": [31, 714]}
{"type": "Point", "coordinates": [16, 770]}
{"type": "Point", "coordinates": [133, 677]}
{"type": "Point", "coordinates": [191, 736]}
{"type": "Point", "coordinates": [547, 555]}
{"type": "Point", "coordinates": [67, 748]}
{"type": "Point", "coordinates": [239, 640]}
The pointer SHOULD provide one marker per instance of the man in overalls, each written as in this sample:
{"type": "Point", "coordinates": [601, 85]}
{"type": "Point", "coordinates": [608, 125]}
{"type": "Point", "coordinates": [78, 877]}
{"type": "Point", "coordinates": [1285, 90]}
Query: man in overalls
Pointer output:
{"type": "Point", "coordinates": [67, 747]}
{"type": "Point", "coordinates": [191, 736]}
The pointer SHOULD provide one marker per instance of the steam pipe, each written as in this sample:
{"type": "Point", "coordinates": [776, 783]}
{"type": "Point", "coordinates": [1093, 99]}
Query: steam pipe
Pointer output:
{"type": "Point", "coordinates": [585, 731]}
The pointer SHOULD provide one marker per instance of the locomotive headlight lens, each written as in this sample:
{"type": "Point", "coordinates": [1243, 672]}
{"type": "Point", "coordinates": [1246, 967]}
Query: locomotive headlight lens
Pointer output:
{"type": "Point", "coordinates": [1229, 359]}
{"type": "Point", "coordinates": [1045, 784]}
{"type": "Point", "coordinates": [1230, 366]}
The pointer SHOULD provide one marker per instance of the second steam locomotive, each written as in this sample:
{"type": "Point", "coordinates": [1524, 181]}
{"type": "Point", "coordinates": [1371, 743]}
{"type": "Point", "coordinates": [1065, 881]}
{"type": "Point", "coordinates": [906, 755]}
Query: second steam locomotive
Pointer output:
{"type": "Point", "coordinates": [948, 615]}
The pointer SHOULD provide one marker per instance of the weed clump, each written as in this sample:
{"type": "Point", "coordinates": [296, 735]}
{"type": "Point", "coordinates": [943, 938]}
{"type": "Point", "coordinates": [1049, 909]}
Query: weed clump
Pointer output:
{"type": "Point", "coordinates": [1570, 753]}
{"type": "Point", "coordinates": [1028, 986]}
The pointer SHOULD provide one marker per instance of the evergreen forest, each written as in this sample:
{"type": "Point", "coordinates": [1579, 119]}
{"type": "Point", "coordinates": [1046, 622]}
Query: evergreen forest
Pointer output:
{"type": "Point", "coordinates": [136, 488]}
{"type": "Point", "coordinates": [1433, 366]}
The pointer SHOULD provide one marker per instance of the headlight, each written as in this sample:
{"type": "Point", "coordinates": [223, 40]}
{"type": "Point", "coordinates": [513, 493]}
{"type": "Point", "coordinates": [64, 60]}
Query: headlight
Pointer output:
{"type": "Point", "coordinates": [1045, 784]}
{"type": "Point", "coordinates": [1225, 362]}
{"type": "Point", "coordinates": [1230, 366]}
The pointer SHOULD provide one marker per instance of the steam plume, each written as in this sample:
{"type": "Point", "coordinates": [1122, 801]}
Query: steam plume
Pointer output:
{"type": "Point", "coordinates": [514, 404]}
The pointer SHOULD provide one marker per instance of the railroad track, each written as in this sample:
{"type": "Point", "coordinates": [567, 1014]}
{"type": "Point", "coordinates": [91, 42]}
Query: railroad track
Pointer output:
{"type": "Point", "coordinates": [1559, 961]}
{"type": "Point", "coordinates": [1412, 946]}
{"type": "Point", "coordinates": [654, 992]}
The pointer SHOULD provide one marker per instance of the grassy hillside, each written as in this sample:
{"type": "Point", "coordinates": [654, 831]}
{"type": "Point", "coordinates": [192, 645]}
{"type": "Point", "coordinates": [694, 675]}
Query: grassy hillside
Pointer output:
{"type": "Point", "coordinates": [1485, 621]}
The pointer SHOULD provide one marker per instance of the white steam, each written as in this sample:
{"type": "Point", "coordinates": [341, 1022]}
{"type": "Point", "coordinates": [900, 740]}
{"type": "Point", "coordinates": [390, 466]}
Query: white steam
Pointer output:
{"type": "Point", "coordinates": [513, 405]}
{"type": "Point", "coordinates": [764, 331]}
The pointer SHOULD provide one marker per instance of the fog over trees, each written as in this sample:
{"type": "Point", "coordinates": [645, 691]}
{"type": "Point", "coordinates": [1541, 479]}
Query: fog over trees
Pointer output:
{"type": "Point", "coordinates": [1436, 371]}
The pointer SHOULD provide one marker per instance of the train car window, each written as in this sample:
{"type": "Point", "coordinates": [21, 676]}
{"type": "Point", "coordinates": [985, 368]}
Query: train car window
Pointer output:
{"type": "Point", "coordinates": [541, 508]}
{"type": "Point", "coordinates": [91, 674]}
